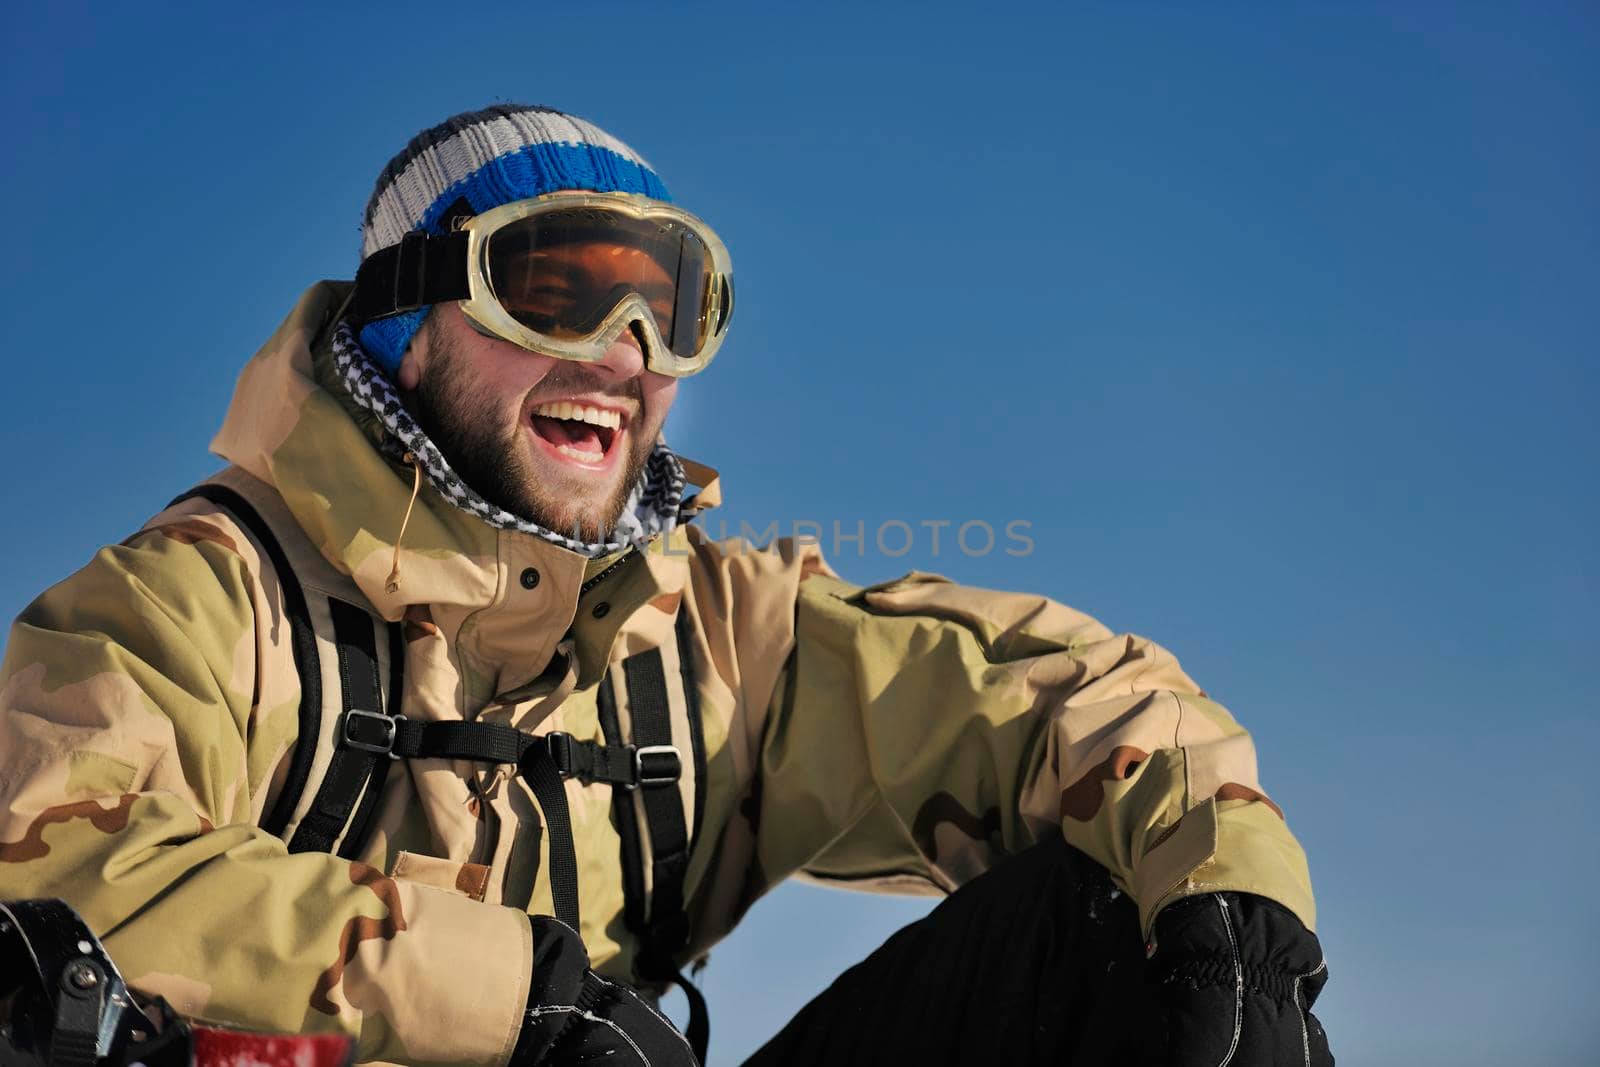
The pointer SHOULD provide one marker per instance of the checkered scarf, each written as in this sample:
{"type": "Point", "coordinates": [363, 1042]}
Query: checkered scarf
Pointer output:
{"type": "Point", "coordinates": [652, 506]}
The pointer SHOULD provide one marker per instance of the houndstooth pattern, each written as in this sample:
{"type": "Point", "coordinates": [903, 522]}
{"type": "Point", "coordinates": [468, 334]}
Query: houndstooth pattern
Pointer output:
{"type": "Point", "coordinates": [652, 506]}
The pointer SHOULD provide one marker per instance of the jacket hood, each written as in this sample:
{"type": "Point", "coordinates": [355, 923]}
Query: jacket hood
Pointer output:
{"type": "Point", "coordinates": [294, 424]}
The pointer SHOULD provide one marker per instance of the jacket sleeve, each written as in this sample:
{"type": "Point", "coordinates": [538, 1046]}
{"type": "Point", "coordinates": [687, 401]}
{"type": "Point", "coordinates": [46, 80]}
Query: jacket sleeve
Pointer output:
{"type": "Point", "coordinates": [138, 743]}
{"type": "Point", "coordinates": [920, 729]}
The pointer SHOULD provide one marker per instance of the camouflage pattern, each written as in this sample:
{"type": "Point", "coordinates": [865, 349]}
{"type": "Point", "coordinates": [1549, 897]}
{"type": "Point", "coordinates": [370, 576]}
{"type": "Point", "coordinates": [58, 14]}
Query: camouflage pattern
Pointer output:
{"type": "Point", "coordinates": [896, 737]}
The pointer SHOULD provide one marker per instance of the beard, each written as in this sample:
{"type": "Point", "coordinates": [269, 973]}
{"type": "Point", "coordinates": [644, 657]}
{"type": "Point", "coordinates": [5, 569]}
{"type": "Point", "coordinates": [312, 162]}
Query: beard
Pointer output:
{"type": "Point", "coordinates": [455, 410]}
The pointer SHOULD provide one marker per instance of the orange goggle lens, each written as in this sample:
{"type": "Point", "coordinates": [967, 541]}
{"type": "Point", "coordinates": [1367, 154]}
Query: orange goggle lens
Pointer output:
{"type": "Point", "coordinates": [560, 273]}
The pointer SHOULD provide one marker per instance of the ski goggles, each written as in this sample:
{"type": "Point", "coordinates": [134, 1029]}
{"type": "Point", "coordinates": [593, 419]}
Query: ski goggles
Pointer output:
{"type": "Point", "coordinates": [565, 274]}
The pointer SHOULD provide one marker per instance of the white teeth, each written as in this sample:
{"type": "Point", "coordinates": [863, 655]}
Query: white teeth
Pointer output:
{"type": "Point", "coordinates": [563, 409]}
{"type": "Point", "coordinates": [581, 457]}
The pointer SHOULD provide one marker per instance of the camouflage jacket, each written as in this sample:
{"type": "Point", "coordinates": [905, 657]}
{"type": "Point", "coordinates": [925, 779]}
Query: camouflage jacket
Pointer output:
{"type": "Point", "coordinates": [898, 736]}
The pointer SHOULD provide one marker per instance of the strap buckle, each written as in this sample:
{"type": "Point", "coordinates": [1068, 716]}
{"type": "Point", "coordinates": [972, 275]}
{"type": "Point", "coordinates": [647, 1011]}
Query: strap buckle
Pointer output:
{"type": "Point", "coordinates": [559, 746]}
{"type": "Point", "coordinates": [665, 766]}
{"type": "Point", "coordinates": [370, 731]}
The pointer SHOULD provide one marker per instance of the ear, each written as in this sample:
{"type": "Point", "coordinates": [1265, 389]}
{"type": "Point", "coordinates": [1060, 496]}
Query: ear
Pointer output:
{"type": "Point", "coordinates": [414, 360]}
{"type": "Point", "coordinates": [410, 373]}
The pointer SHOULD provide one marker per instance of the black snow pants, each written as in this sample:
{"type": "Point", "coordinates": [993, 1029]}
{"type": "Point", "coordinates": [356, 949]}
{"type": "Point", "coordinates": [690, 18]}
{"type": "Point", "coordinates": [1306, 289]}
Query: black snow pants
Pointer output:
{"type": "Point", "coordinates": [1039, 960]}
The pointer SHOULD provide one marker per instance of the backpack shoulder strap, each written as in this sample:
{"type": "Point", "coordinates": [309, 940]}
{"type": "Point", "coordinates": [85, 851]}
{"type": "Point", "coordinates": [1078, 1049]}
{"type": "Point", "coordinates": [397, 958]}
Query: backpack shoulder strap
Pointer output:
{"type": "Point", "coordinates": [343, 651]}
{"type": "Point", "coordinates": [345, 803]}
{"type": "Point", "coordinates": [659, 916]}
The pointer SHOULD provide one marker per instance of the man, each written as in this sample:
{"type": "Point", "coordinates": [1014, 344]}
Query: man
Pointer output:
{"type": "Point", "coordinates": [442, 649]}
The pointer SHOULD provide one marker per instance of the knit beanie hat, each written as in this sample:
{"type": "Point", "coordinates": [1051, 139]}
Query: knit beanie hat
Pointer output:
{"type": "Point", "coordinates": [487, 158]}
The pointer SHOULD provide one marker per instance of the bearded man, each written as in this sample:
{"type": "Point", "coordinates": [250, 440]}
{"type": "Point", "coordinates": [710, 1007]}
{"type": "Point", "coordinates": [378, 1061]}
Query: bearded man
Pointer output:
{"type": "Point", "coordinates": [434, 718]}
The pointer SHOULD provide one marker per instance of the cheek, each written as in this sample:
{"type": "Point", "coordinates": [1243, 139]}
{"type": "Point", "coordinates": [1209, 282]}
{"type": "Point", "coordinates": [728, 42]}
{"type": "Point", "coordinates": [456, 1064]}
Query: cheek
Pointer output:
{"type": "Point", "coordinates": [659, 392]}
{"type": "Point", "coordinates": [513, 372]}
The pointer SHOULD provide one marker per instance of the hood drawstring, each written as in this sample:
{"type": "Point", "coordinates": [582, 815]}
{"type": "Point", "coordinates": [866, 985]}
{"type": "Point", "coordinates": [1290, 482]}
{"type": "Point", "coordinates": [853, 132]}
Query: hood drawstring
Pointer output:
{"type": "Point", "coordinates": [392, 585]}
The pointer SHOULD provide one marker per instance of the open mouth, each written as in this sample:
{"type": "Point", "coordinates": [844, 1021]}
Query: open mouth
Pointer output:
{"type": "Point", "coordinates": [583, 433]}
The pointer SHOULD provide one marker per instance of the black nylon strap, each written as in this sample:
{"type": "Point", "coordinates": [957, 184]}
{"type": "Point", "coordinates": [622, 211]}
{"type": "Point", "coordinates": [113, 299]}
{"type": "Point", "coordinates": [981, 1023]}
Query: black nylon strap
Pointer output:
{"type": "Point", "coordinates": [539, 771]}
{"type": "Point", "coordinates": [697, 733]}
{"type": "Point", "coordinates": [484, 742]}
{"type": "Point", "coordinates": [302, 642]}
{"type": "Point", "coordinates": [361, 826]}
{"type": "Point", "coordinates": [487, 742]}
{"type": "Point", "coordinates": [699, 1034]}
{"type": "Point", "coordinates": [666, 931]}
{"type": "Point", "coordinates": [633, 902]}
{"type": "Point", "coordinates": [663, 811]}
{"type": "Point", "coordinates": [699, 1030]}
{"type": "Point", "coordinates": [589, 761]}
{"type": "Point", "coordinates": [420, 270]}
{"type": "Point", "coordinates": [349, 769]}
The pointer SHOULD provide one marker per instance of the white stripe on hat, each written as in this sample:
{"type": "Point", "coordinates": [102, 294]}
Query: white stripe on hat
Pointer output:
{"type": "Point", "coordinates": [402, 204]}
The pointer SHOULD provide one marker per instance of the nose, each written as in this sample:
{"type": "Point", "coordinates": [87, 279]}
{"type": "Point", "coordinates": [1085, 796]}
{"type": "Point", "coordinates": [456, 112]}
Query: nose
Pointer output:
{"type": "Point", "coordinates": [624, 357]}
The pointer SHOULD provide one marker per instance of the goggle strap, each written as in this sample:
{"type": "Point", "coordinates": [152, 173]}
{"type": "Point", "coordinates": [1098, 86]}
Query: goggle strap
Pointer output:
{"type": "Point", "coordinates": [422, 269]}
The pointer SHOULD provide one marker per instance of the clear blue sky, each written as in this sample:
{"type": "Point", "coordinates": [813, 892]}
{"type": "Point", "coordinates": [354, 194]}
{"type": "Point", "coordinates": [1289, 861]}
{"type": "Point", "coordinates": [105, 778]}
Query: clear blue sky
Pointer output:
{"type": "Point", "coordinates": [1278, 326]}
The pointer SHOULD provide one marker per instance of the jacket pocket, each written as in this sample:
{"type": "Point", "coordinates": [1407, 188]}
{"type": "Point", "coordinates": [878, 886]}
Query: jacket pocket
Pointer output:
{"type": "Point", "coordinates": [469, 880]}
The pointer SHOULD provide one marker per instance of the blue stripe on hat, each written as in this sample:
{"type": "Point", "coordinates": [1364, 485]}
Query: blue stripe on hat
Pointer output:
{"type": "Point", "coordinates": [530, 171]}
{"type": "Point", "coordinates": [536, 169]}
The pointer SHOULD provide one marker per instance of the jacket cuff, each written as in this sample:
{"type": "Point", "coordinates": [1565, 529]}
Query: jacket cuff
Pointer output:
{"type": "Point", "coordinates": [449, 986]}
{"type": "Point", "coordinates": [1225, 846]}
